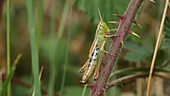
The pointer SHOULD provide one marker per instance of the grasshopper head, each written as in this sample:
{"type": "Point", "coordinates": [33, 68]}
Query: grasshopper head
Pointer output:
{"type": "Point", "coordinates": [102, 26]}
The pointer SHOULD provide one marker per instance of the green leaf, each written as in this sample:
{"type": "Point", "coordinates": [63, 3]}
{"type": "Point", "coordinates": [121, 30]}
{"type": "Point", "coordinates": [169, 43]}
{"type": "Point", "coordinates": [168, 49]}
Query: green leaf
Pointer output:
{"type": "Point", "coordinates": [166, 38]}
{"type": "Point", "coordinates": [136, 53]}
{"type": "Point", "coordinates": [107, 8]}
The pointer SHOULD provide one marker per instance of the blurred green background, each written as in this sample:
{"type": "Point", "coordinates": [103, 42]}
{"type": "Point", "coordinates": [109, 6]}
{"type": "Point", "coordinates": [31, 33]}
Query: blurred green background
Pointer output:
{"type": "Point", "coordinates": [65, 30]}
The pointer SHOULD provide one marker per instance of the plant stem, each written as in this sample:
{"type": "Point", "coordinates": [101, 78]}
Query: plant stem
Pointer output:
{"type": "Point", "coordinates": [70, 3]}
{"type": "Point", "coordinates": [40, 20]}
{"type": "Point", "coordinates": [109, 61]}
{"type": "Point", "coordinates": [84, 90]}
{"type": "Point", "coordinates": [156, 48]}
{"type": "Point", "coordinates": [64, 18]}
{"type": "Point", "coordinates": [34, 50]}
{"type": "Point", "coordinates": [132, 77]}
{"type": "Point", "coordinates": [53, 65]}
{"type": "Point", "coordinates": [9, 78]}
{"type": "Point", "coordinates": [8, 46]}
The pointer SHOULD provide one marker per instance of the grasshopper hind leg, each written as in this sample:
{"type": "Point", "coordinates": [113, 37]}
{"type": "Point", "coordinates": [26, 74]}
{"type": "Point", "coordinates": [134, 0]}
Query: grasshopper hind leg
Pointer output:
{"type": "Point", "coordinates": [96, 74]}
{"type": "Point", "coordinates": [98, 68]}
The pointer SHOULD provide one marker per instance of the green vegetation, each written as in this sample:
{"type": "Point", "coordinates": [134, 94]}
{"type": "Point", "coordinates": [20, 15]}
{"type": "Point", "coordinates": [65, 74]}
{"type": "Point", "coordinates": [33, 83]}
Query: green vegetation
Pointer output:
{"type": "Point", "coordinates": [54, 39]}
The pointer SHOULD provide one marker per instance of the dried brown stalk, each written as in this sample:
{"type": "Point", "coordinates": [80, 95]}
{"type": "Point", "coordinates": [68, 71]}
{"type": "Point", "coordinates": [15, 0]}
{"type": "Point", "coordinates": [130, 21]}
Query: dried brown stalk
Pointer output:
{"type": "Point", "coordinates": [156, 48]}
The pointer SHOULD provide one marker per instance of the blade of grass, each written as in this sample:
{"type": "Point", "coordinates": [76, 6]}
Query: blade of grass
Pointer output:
{"type": "Point", "coordinates": [7, 81]}
{"type": "Point", "coordinates": [63, 19]}
{"type": "Point", "coordinates": [68, 6]}
{"type": "Point", "coordinates": [40, 20]}
{"type": "Point", "coordinates": [8, 46]}
{"type": "Point", "coordinates": [0, 81]}
{"type": "Point", "coordinates": [34, 50]}
{"type": "Point", "coordinates": [84, 90]}
{"type": "Point", "coordinates": [156, 48]}
{"type": "Point", "coordinates": [52, 66]}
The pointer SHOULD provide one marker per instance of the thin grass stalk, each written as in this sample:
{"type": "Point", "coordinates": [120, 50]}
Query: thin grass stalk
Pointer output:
{"type": "Point", "coordinates": [63, 19]}
{"type": "Point", "coordinates": [9, 77]}
{"type": "Point", "coordinates": [39, 26]}
{"type": "Point", "coordinates": [34, 50]}
{"type": "Point", "coordinates": [40, 20]}
{"type": "Point", "coordinates": [138, 82]}
{"type": "Point", "coordinates": [67, 49]}
{"type": "Point", "coordinates": [0, 81]}
{"type": "Point", "coordinates": [67, 6]}
{"type": "Point", "coordinates": [156, 48]}
{"type": "Point", "coordinates": [65, 68]}
{"type": "Point", "coordinates": [8, 47]}
{"type": "Point", "coordinates": [52, 66]}
{"type": "Point", "coordinates": [84, 90]}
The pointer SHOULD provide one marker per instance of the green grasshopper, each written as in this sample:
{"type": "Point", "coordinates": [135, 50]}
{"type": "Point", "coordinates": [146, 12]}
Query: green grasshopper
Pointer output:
{"type": "Point", "coordinates": [95, 56]}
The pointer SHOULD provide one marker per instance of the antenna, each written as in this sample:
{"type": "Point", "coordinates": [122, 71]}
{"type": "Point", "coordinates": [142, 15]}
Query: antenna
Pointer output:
{"type": "Point", "coordinates": [100, 15]}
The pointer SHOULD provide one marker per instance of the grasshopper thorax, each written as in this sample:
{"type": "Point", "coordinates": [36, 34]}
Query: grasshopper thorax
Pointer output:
{"type": "Point", "coordinates": [103, 28]}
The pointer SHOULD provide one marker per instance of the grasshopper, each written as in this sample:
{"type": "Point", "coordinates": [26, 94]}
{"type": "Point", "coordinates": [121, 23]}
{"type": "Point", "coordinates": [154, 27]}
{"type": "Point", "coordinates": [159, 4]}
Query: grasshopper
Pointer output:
{"type": "Point", "coordinates": [95, 53]}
